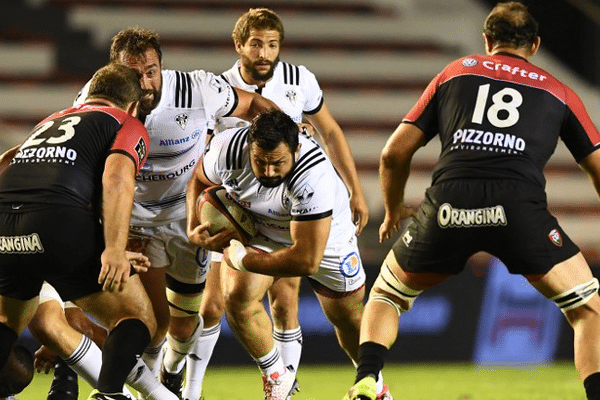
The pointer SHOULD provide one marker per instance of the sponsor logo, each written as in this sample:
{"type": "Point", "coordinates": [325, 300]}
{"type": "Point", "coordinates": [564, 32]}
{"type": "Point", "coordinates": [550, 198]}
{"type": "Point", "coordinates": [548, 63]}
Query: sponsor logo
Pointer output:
{"type": "Point", "coordinates": [171, 142]}
{"type": "Point", "coordinates": [469, 62]}
{"type": "Point", "coordinates": [350, 266]}
{"type": "Point", "coordinates": [54, 154]}
{"type": "Point", "coordinates": [407, 238]}
{"type": "Point", "coordinates": [182, 120]}
{"type": "Point", "coordinates": [473, 139]}
{"type": "Point", "coordinates": [144, 177]}
{"type": "Point", "coordinates": [449, 217]}
{"type": "Point", "coordinates": [306, 194]}
{"type": "Point", "coordinates": [514, 70]}
{"type": "Point", "coordinates": [555, 237]}
{"type": "Point", "coordinates": [141, 150]}
{"type": "Point", "coordinates": [278, 214]}
{"type": "Point", "coordinates": [26, 244]}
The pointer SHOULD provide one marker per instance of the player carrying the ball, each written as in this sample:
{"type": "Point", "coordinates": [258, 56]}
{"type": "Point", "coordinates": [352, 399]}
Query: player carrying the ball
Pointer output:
{"type": "Point", "coordinates": [304, 222]}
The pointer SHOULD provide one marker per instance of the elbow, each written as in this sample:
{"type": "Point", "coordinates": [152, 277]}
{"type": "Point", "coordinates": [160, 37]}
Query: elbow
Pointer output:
{"type": "Point", "coordinates": [308, 267]}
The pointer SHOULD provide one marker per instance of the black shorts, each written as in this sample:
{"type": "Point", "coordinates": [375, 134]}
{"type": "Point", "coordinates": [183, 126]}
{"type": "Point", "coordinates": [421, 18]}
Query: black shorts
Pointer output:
{"type": "Point", "coordinates": [507, 219]}
{"type": "Point", "coordinates": [58, 244]}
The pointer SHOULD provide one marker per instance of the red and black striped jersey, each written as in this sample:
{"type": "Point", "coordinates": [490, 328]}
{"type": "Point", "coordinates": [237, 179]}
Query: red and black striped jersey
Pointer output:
{"type": "Point", "coordinates": [63, 159]}
{"type": "Point", "coordinates": [500, 117]}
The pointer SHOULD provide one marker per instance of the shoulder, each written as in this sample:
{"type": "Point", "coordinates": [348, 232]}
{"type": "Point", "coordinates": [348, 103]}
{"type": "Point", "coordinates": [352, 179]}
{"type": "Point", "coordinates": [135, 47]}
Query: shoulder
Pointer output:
{"type": "Point", "coordinates": [311, 165]}
{"type": "Point", "coordinates": [292, 74]}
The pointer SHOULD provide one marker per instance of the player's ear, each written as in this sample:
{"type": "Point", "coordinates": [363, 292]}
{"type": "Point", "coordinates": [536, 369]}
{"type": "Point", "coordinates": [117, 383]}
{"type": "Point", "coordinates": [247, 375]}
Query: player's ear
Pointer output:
{"type": "Point", "coordinates": [489, 45]}
{"type": "Point", "coordinates": [536, 45]}
{"type": "Point", "coordinates": [297, 152]}
{"type": "Point", "coordinates": [133, 108]}
{"type": "Point", "coordinates": [238, 47]}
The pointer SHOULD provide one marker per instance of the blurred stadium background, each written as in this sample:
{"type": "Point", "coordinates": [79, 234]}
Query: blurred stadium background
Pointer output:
{"type": "Point", "coordinates": [372, 58]}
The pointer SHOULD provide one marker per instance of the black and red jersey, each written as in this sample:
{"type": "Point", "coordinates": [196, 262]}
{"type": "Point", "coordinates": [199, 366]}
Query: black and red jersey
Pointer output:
{"type": "Point", "coordinates": [500, 117]}
{"type": "Point", "coordinates": [63, 159]}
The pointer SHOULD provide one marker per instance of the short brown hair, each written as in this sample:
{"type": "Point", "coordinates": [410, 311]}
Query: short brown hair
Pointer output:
{"type": "Point", "coordinates": [134, 41]}
{"type": "Point", "coordinates": [116, 83]}
{"type": "Point", "coordinates": [511, 24]}
{"type": "Point", "coordinates": [256, 18]}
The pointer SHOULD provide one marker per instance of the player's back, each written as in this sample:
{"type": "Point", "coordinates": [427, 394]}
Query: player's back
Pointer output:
{"type": "Point", "coordinates": [63, 159]}
{"type": "Point", "coordinates": [500, 117]}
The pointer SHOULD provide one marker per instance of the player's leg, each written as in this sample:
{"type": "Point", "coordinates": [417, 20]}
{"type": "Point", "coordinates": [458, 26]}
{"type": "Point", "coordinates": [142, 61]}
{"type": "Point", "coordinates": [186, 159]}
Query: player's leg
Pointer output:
{"type": "Point", "coordinates": [185, 328]}
{"type": "Point", "coordinates": [145, 241]}
{"type": "Point", "coordinates": [287, 334]}
{"type": "Point", "coordinates": [185, 282]}
{"type": "Point", "coordinates": [243, 292]}
{"type": "Point", "coordinates": [15, 314]}
{"type": "Point", "coordinates": [52, 330]}
{"type": "Point", "coordinates": [392, 294]}
{"type": "Point", "coordinates": [212, 309]}
{"type": "Point", "coordinates": [129, 316]}
{"type": "Point", "coordinates": [571, 285]}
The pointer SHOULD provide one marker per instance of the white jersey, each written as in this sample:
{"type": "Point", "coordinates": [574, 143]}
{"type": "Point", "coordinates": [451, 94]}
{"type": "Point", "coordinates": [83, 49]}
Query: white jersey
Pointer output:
{"type": "Point", "coordinates": [189, 105]}
{"type": "Point", "coordinates": [313, 190]}
{"type": "Point", "coordinates": [293, 88]}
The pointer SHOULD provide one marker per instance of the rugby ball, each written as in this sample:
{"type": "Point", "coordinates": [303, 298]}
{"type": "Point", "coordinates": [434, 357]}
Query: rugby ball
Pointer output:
{"type": "Point", "coordinates": [216, 206]}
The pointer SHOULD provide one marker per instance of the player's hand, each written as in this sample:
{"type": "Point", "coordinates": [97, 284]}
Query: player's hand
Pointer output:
{"type": "Point", "coordinates": [391, 223]}
{"type": "Point", "coordinates": [140, 262]}
{"type": "Point", "coordinates": [115, 269]}
{"type": "Point", "coordinates": [360, 212]}
{"type": "Point", "coordinates": [45, 359]}
{"type": "Point", "coordinates": [307, 128]}
{"type": "Point", "coordinates": [200, 236]}
{"type": "Point", "coordinates": [234, 254]}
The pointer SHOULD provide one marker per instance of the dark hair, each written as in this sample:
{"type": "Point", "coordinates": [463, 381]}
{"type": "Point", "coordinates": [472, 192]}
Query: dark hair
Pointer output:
{"type": "Point", "coordinates": [511, 24]}
{"type": "Point", "coordinates": [271, 128]}
{"type": "Point", "coordinates": [117, 84]}
{"type": "Point", "coordinates": [134, 41]}
{"type": "Point", "coordinates": [17, 372]}
{"type": "Point", "coordinates": [256, 18]}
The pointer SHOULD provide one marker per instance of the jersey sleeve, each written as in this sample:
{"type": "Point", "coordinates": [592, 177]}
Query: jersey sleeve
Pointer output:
{"type": "Point", "coordinates": [312, 187]}
{"type": "Point", "coordinates": [212, 160]}
{"type": "Point", "coordinates": [133, 141]}
{"type": "Point", "coordinates": [218, 96]}
{"type": "Point", "coordinates": [424, 113]}
{"type": "Point", "coordinates": [579, 133]}
{"type": "Point", "coordinates": [312, 91]}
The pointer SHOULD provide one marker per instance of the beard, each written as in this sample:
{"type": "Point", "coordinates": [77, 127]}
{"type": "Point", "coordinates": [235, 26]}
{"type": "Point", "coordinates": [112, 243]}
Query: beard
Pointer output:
{"type": "Point", "coordinates": [271, 182]}
{"type": "Point", "coordinates": [254, 73]}
{"type": "Point", "coordinates": [147, 104]}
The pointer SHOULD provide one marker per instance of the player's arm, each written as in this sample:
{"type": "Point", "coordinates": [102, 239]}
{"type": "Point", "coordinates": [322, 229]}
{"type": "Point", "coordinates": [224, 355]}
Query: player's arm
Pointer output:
{"type": "Point", "coordinates": [198, 233]}
{"type": "Point", "coordinates": [339, 152]}
{"type": "Point", "coordinates": [591, 166]}
{"type": "Point", "coordinates": [118, 185]}
{"type": "Point", "coordinates": [394, 168]}
{"type": "Point", "coordinates": [302, 258]}
{"type": "Point", "coordinates": [251, 104]}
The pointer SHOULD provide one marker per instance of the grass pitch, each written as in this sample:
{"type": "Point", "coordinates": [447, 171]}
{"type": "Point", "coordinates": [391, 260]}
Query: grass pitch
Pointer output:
{"type": "Point", "coordinates": [407, 382]}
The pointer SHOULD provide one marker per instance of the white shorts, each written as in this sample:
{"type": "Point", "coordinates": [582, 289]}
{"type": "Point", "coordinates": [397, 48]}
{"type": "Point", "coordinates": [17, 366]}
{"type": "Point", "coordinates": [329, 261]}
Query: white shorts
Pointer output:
{"type": "Point", "coordinates": [167, 246]}
{"type": "Point", "coordinates": [48, 293]}
{"type": "Point", "coordinates": [340, 270]}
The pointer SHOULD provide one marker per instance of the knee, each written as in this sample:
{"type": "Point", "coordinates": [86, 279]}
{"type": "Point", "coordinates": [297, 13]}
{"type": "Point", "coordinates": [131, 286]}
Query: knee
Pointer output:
{"type": "Point", "coordinates": [212, 310]}
{"type": "Point", "coordinates": [183, 328]}
{"type": "Point", "coordinates": [48, 324]}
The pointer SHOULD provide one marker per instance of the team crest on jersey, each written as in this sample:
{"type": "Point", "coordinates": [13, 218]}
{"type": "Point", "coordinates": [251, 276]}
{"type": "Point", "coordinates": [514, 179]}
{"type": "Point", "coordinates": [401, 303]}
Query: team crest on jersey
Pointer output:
{"type": "Point", "coordinates": [555, 237]}
{"type": "Point", "coordinates": [306, 194]}
{"type": "Point", "coordinates": [141, 150]}
{"type": "Point", "coordinates": [350, 266]}
{"type": "Point", "coordinates": [215, 84]}
{"type": "Point", "coordinates": [469, 62]}
{"type": "Point", "coordinates": [182, 120]}
{"type": "Point", "coordinates": [291, 96]}
{"type": "Point", "coordinates": [285, 200]}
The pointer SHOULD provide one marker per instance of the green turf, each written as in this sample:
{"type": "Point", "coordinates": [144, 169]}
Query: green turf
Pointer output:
{"type": "Point", "coordinates": [407, 382]}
